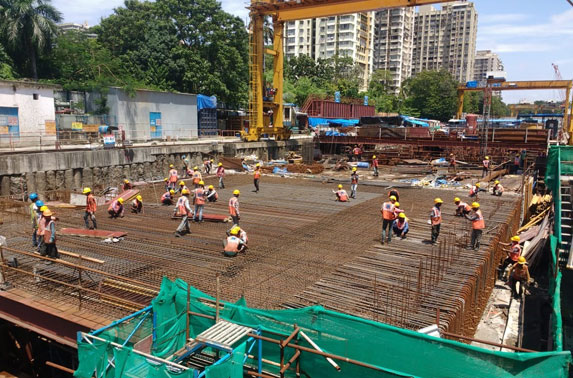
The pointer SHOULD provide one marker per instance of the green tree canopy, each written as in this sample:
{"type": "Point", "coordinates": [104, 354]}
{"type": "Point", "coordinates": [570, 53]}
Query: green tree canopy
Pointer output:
{"type": "Point", "coordinates": [28, 28]}
{"type": "Point", "coordinates": [473, 103]}
{"type": "Point", "coordinates": [433, 94]}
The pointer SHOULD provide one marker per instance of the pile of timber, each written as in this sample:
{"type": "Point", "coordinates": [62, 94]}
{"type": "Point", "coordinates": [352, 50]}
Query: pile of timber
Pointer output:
{"type": "Point", "coordinates": [517, 135]}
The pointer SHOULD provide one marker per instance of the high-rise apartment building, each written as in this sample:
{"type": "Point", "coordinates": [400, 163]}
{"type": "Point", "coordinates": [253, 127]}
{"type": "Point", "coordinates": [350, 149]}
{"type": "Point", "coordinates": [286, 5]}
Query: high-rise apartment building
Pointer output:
{"type": "Point", "coordinates": [349, 35]}
{"type": "Point", "coordinates": [393, 44]}
{"type": "Point", "coordinates": [485, 61]}
{"type": "Point", "coordinates": [446, 39]}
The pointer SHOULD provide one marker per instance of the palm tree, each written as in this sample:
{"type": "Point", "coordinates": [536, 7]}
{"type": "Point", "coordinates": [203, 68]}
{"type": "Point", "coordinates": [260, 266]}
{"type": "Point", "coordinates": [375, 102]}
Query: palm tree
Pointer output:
{"type": "Point", "coordinates": [29, 26]}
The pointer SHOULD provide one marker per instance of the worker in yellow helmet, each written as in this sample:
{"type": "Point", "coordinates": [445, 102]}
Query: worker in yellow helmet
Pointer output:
{"type": "Point", "coordinates": [196, 176]}
{"type": "Point", "coordinates": [474, 191]}
{"type": "Point", "coordinates": [341, 194]}
{"type": "Point", "coordinates": [478, 224]}
{"type": "Point", "coordinates": [257, 177]}
{"type": "Point", "coordinates": [497, 189]}
{"type": "Point", "coordinates": [199, 201]}
{"type": "Point", "coordinates": [221, 174]}
{"type": "Point", "coordinates": [388, 211]}
{"type": "Point", "coordinates": [353, 182]}
{"type": "Point", "coordinates": [172, 177]}
{"type": "Point", "coordinates": [211, 194]}
{"type": "Point", "coordinates": [486, 165]}
{"type": "Point", "coordinates": [137, 205]}
{"type": "Point", "coordinates": [183, 209]}
{"type": "Point", "coordinates": [91, 207]}
{"type": "Point", "coordinates": [116, 208]}
{"type": "Point", "coordinates": [436, 219]}
{"type": "Point", "coordinates": [168, 197]}
{"type": "Point", "coordinates": [519, 273]}
{"type": "Point", "coordinates": [126, 185]}
{"type": "Point", "coordinates": [400, 226]}
{"type": "Point", "coordinates": [49, 242]}
{"type": "Point", "coordinates": [462, 208]}
{"type": "Point", "coordinates": [207, 165]}
{"type": "Point", "coordinates": [181, 186]}
{"type": "Point", "coordinates": [234, 207]}
{"type": "Point", "coordinates": [375, 165]}
{"type": "Point", "coordinates": [513, 254]}
{"type": "Point", "coordinates": [233, 244]}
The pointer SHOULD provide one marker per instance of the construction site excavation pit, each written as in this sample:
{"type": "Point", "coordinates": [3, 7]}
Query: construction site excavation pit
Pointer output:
{"type": "Point", "coordinates": [305, 248]}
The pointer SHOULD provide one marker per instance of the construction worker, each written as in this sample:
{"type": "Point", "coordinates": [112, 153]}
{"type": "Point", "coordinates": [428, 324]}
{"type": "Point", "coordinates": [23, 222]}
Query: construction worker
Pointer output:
{"type": "Point", "coordinates": [453, 164]}
{"type": "Point", "coordinates": [196, 176]}
{"type": "Point", "coordinates": [173, 177]}
{"type": "Point", "coordinates": [126, 185]}
{"type": "Point", "coordinates": [199, 201]}
{"type": "Point", "coordinates": [186, 164]}
{"type": "Point", "coordinates": [207, 164]}
{"type": "Point", "coordinates": [257, 177]}
{"type": "Point", "coordinates": [394, 192]}
{"type": "Point", "coordinates": [516, 163]}
{"type": "Point", "coordinates": [397, 210]}
{"type": "Point", "coordinates": [233, 244]}
{"type": "Point", "coordinates": [497, 189]}
{"type": "Point", "coordinates": [137, 205]}
{"type": "Point", "coordinates": [486, 164]}
{"type": "Point", "coordinates": [116, 208]}
{"type": "Point", "coordinates": [388, 216]}
{"type": "Point", "coordinates": [167, 184]}
{"type": "Point", "coordinates": [357, 152]}
{"type": "Point", "coordinates": [400, 226]}
{"type": "Point", "coordinates": [519, 273]}
{"type": "Point", "coordinates": [242, 234]}
{"type": "Point", "coordinates": [49, 237]}
{"type": "Point", "coordinates": [436, 219]}
{"type": "Point", "coordinates": [41, 226]}
{"type": "Point", "coordinates": [167, 197]}
{"type": "Point", "coordinates": [181, 187]}
{"type": "Point", "coordinates": [221, 175]}
{"type": "Point", "coordinates": [33, 211]}
{"type": "Point", "coordinates": [211, 194]}
{"type": "Point", "coordinates": [353, 182]}
{"type": "Point", "coordinates": [474, 191]}
{"type": "Point", "coordinates": [513, 254]}
{"type": "Point", "coordinates": [341, 195]}
{"type": "Point", "coordinates": [462, 208]}
{"type": "Point", "coordinates": [478, 224]}
{"type": "Point", "coordinates": [234, 207]}
{"type": "Point", "coordinates": [183, 209]}
{"type": "Point", "coordinates": [375, 165]}
{"type": "Point", "coordinates": [91, 207]}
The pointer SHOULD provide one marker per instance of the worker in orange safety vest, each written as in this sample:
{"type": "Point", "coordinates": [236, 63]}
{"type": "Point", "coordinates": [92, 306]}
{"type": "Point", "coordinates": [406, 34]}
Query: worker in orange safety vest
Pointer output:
{"type": "Point", "coordinates": [497, 189]}
{"type": "Point", "coordinates": [137, 205]}
{"type": "Point", "coordinates": [486, 164]}
{"type": "Point", "coordinates": [436, 219]}
{"type": "Point", "coordinates": [233, 244]}
{"type": "Point", "coordinates": [513, 254]}
{"type": "Point", "coordinates": [388, 216]}
{"type": "Point", "coordinates": [91, 207]}
{"type": "Point", "coordinates": [341, 195]}
{"type": "Point", "coordinates": [196, 176]}
{"type": "Point", "coordinates": [167, 197]}
{"type": "Point", "coordinates": [49, 236]}
{"type": "Point", "coordinates": [234, 207]}
{"type": "Point", "coordinates": [116, 208]}
{"type": "Point", "coordinates": [183, 209]}
{"type": "Point", "coordinates": [462, 208]}
{"type": "Point", "coordinates": [478, 224]}
{"type": "Point", "coordinates": [199, 201]}
{"type": "Point", "coordinates": [257, 177]}
{"type": "Point", "coordinates": [173, 177]}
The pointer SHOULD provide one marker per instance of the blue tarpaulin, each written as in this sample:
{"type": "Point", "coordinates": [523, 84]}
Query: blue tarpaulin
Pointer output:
{"type": "Point", "coordinates": [206, 102]}
{"type": "Point", "coordinates": [316, 121]}
{"type": "Point", "coordinates": [334, 133]}
{"type": "Point", "coordinates": [415, 121]}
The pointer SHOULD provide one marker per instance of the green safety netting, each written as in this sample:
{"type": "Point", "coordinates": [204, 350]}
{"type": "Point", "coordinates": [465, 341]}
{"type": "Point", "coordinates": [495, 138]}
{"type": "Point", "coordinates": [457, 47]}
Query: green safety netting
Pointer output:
{"type": "Point", "coordinates": [395, 352]}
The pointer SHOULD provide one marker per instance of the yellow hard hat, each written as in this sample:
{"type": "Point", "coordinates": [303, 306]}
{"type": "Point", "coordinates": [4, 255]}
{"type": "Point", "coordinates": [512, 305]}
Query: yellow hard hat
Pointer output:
{"type": "Point", "coordinates": [401, 215]}
{"type": "Point", "coordinates": [170, 165]}
{"type": "Point", "coordinates": [185, 192]}
{"type": "Point", "coordinates": [339, 186]}
{"type": "Point", "coordinates": [393, 198]}
{"type": "Point", "coordinates": [515, 238]}
{"type": "Point", "coordinates": [211, 160]}
{"type": "Point", "coordinates": [43, 208]}
{"type": "Point", "coordinates": [258, 165]}
{"type": "Point", "coordinates": [236, 192]}
{"type": "Point", "coordinates": [496, 182]}
{"type": "Point", "coordinates": [521, 260]}
{"type": "Point", "coordinates": [120, 200]}
{"type": "Point", "coordinates": [220, 164]}
{"type": "Point", "coordinates": [438, 200]}
{"type": "Point", "coordinates": [235, 230]}
{"type": "Point", "coordinates": [171, 191]}
{"type": "Point", "coordinates": [139, 198]}
{"type": "Point", "coordinates": [165, 179]}
{"type": "Point", "coordinates": [457, 199]}
{"type": "Point", "coordinates": [374, 157]}
{"type": "Point", "coordinates": [211, 187]}
{"type": "Point", "coordinates": [195, 168]}
{"type": "Point", "coordinates": [478, 184]}
{"type": "Point", "coordinates": [201, 182]}
{"type": "Point", "coordinates": [47, 213]}
{"type": "Point", "coordinates": [181, 183]}
{"type": "Point", "coordinates": [397, 204]}
{"type": "Point", "coordinates": [475, 205]}
{"type": "Point", "coordinates": [487, 158]}
{"type": "Point", "coordinates": [87, 190]}
{"type": "Point", "coordinates": [126, 181]}
{"type": "Point", "coordinates": [354, 169]}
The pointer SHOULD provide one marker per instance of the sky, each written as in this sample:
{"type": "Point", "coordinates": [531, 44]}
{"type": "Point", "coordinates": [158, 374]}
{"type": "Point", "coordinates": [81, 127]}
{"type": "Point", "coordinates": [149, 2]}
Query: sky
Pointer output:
{"type": "Point", "coordinates": [528, 35]}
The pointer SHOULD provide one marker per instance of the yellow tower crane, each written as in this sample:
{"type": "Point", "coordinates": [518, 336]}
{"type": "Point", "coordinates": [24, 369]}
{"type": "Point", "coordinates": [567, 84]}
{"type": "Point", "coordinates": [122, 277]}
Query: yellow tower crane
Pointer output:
{"type": "Point", "coordinates": [269, 101]}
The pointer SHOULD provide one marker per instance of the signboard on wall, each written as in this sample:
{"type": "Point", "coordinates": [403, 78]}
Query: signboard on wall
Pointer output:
{"type": "Point", "coordinates": [50, 127]}
{"type": "Point", "coordinates": [9, 124]}
{"type": "Point", "coordinates": [89, 128]}
{"type": "Point", "coordinates": [109, 141]}
{"type": "Point", "coordinates": [77, 126]}
{"type": "Point", "coordinates": [155, 125]}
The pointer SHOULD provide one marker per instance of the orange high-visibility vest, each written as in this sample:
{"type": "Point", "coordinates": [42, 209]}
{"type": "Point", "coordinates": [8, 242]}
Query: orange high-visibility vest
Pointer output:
{"type": "Point", "coordinates": [91, 205]}
{"type": "Point", "coordinates": [342, 195]}
{"type": "Point", "coordinates": [515, 252]}
{"type": "Point", "coordinates": [173, 175]}
{"type": "Point", "coordinates": [199, 196]}
{"type": "Point", "coordinates": [478, 223]}
{"type": "Point", "coordinates": [388, 211]}
{"type": "Point", "coordinates": [232, 244]}
{"type": "Point", "coordinates": [234, 206]}
{"type": "Point", "coordinates": [182, 206]}
{"type": "Point", "coordinates": [436, 216]}
{"type": "Point", "coordinates": [165, 196]}
{"type": "Point", "coordinates": [41, 226]}
{"type": "Point", "coordinates": [48, 232]}
{"type": "Point", "coordinates": [257, 174]}
{"type": "Point", "coordinates": [196, 177]}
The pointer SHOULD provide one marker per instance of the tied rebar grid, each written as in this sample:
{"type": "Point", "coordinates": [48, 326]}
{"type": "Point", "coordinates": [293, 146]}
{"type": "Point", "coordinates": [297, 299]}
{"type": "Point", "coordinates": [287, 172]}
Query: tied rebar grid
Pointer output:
{"type": "Point", "coordinates": [304, 248]}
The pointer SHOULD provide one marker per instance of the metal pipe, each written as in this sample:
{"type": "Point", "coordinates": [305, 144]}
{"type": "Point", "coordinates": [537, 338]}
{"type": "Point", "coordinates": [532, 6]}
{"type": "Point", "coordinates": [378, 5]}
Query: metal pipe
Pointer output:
{"type": "Point", "coordinates": [218, 296]}
{"type": "Point", "coordinates": [487, 342]}
{"type": "Point", "coordinates": [330, 360]}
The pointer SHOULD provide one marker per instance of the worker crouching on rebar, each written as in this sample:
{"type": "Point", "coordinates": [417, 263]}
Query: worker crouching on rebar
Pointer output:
{"type": "Point", "coordinates": [478, 224]}
{"type": "Point", "coordinates": [167, 197]}
{"type": "Point", "coordinates": [49, 245]}
{"type": "Point", "coordinates": [513, 255]}
{"type": "Point", "coordinates": [234, 244]}
{"type": "Point", "coordinates": [137, 205]}
{"type": "Point", "coordinates": [474, 191]}
{"type": "Point", "coordinates": [519, 273]}
{"type": "Point", "coordinates": [183, 209]}
{"type": "Point", "coordinates": [462, 208]}
{"type": "Point", "coordinates": [211, 194]}
{"type": "Point", "coordinates": [341, 195]}
{"type": "Point", "coordinates": [116, 208]}
{"type": "Point", "coordinates": [400, 226]}
{"type": "Point", "coordinates": [497, 189]}
{"type": "Point", "coordinates": [436, 219]}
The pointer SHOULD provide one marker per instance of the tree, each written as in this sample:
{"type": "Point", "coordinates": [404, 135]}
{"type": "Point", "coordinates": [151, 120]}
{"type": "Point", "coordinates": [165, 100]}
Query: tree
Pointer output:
{"type": "Point", "coordinates": [473, 103]}
{"type": "Point", "coordinates": [28, 27]}
{"type": "Point", "coordinates": [6, 65]}
{"type": "Point", "coordinates": [432, 93]}
{"type": "Point", "coordinates": [379, 91]}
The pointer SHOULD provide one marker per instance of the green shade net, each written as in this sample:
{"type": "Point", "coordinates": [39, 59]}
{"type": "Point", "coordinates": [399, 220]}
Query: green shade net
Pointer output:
{"type": "Point", "coordinates": [393, 352]}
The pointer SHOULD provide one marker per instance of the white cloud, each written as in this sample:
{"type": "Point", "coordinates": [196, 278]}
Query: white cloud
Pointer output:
{"type": "Point", "coordinates": [521, 47]}
{"type": "Point", "coordinates": [502, 17]}
{"type": "Point", "coordinates": [92, 11]}
{"type": "Point", "coordinates": [237, 8]}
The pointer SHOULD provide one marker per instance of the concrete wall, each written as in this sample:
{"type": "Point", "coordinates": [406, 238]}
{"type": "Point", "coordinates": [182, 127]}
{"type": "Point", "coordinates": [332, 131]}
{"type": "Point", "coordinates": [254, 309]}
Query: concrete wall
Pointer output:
{"type": "Point", "coordinates": [72, 170]}
{"type": "Point", "coordinates": [178, 113]}
{"type": "Point", "coordinates": [32, 114]}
